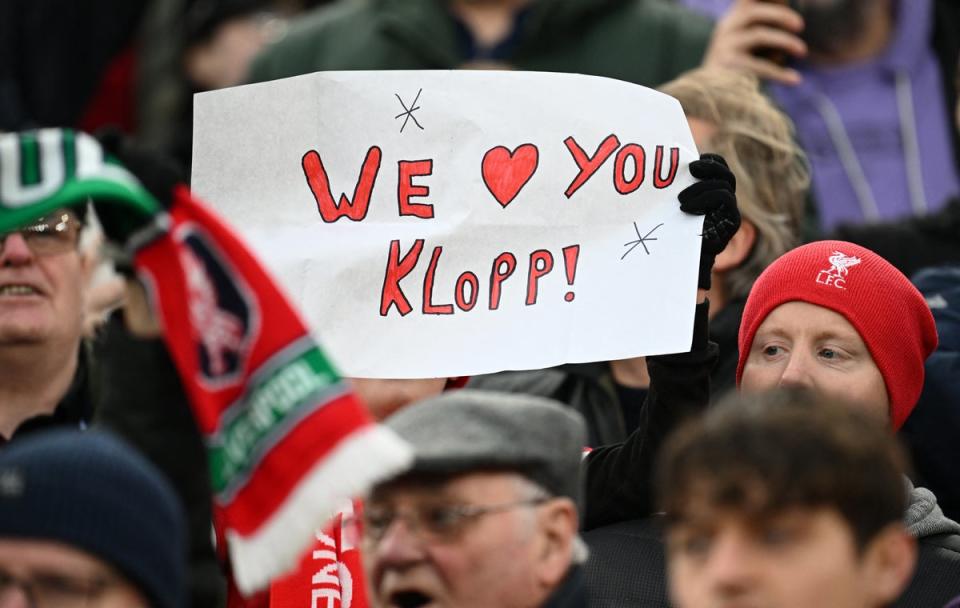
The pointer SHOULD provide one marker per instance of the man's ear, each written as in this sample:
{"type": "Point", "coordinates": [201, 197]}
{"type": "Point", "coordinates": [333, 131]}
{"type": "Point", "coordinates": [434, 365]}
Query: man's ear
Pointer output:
{"type": "Point", "coordinates": [888, 564]}
{"type": "Point", "coordinates": [737, 249]}
{"type": "Point", "coordinates": [558, 523]}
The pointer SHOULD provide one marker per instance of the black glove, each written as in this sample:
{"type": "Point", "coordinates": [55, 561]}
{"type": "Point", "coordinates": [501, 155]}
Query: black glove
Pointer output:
{"type": "Point", "coordinates": [713, 197]}
{"type": "Point", "coordinates": [159, 174]}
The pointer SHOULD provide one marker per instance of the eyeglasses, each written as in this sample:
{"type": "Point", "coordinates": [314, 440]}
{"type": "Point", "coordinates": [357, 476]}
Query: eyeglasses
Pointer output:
{"type": "Point", "coordinates": [55, 590]}
{"type": "Point", "coordinates": [51, 234]}
{"type": "Point", "coordinates": [436, 523]}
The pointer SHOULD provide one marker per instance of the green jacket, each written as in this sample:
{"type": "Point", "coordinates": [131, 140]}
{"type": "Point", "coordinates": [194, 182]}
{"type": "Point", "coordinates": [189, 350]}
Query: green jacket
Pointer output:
{"type": "Point", "coordinates": [643, 41]}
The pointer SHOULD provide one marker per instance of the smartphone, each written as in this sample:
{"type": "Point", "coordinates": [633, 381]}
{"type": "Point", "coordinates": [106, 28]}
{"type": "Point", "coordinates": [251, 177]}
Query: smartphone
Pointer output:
{"type": "Point", "coordinates": [777, 56]}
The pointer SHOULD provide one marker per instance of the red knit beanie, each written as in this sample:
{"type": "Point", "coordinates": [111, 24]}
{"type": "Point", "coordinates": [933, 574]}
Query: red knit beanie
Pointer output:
{"type": "Point", "coordinates": [888, 312]}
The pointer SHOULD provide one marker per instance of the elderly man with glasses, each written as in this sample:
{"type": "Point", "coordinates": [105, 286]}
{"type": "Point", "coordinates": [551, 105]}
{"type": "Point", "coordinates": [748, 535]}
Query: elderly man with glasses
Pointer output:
{"type": "Point", "coordinates": [53, 373]}
{"type": "Point", "coordinates": [488, 514]}
{"type": "Point", "coordinates": [43, 278]}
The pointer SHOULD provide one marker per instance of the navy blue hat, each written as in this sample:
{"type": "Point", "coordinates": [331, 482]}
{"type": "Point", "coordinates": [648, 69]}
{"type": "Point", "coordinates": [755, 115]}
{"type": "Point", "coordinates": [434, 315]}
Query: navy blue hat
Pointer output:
{"type": "Point", "coordinates": [92, 492]}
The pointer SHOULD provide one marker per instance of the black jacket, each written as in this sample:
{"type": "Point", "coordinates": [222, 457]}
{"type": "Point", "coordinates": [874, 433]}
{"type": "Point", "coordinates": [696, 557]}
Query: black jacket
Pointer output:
{"type": "Point", "coordinates": [141, 399]}
{"type": "Point", "coordinates": [591, 389]}
{"type": "Point", "coordinates": [571, 593]}
{"type": "Point", "coordinates": [725, 330]}
{"type": "Point", "coordinates": [75, 409]}
{"type": "Point", "coordinates": [618, 484]}
{"type": "Point", "coordinates": [937, 578]}
{"type": "Point", "coordinates": [946, 45]}
{"type": "Point", "coordinates": [588, 388]}
{"type": "Point", "coordinates": [627, 568]}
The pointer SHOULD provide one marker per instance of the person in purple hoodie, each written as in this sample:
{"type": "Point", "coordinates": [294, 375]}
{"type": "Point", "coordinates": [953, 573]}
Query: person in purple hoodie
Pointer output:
{"type": "Point", "coordinates": [870, 86]}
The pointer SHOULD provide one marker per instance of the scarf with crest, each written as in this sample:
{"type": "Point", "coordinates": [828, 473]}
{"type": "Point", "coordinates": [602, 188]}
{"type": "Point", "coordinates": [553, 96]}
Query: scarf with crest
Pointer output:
{"type": "Point", "coordinates": [287, 441]}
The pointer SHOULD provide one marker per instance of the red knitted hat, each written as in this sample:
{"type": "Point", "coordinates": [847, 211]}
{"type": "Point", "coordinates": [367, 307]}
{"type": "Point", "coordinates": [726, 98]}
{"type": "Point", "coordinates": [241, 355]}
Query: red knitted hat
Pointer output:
{"type": "Point", "coordinates": [888, 312]}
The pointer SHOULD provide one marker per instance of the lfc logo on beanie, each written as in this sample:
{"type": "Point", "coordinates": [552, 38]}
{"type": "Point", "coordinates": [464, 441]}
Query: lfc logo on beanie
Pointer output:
{"type": "Point", "coordinates": [840, 264]}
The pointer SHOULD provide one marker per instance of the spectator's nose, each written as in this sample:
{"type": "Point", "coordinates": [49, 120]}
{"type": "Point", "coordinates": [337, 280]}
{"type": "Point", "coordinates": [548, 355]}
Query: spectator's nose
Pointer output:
{"type": "Point", "coordinates": [399, 546]}
{"type": "Point", "coordinates": [15, 250]}
{"type": "Point", "coordinates": [14, 596]}
{"type": "Point", "coordinates": [796, 373]}
{"type": "Point", "coordinates": [732, 568]}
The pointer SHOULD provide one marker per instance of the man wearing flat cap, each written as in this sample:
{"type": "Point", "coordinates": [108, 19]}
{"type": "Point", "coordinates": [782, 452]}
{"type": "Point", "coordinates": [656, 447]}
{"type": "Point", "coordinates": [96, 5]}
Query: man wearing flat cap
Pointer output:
{"type": "Point", "coordinates": [488, 514]}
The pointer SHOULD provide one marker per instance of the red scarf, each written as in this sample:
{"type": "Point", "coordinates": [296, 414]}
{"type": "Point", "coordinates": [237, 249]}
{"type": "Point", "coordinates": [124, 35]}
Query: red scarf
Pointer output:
{"type": "Point", "coordinates": [288, 442]}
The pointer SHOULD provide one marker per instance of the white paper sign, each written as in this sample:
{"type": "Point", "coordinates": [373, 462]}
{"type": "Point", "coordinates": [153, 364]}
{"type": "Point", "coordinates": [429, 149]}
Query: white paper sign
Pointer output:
{"type": "Point", "coordinates": [447, 223]}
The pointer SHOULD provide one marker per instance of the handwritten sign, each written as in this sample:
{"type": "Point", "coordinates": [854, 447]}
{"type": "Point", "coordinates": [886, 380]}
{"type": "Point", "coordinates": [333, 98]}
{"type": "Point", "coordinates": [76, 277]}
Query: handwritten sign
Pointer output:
{"type": "Point", "coordinates": [439, 223]}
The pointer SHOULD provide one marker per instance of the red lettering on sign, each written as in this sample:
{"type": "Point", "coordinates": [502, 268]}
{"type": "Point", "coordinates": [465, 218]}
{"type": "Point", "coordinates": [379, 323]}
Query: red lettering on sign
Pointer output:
{"type": "Point", "coordinates": [541, 263]}
{"type": "Point", "coordinates": [659, 182]}
{"type": "Point", "coordinates": [588, 165]}
{"type": "Point", "coordinates": [406, 189]}
{"type": "Point", "coordinates": [319, 183]}
{"type": "Point", "coordinates": [429, 308]}
{"type": "Point", "coordinates": [463, 302]}
{"type": "Point", "coordinates": [498, 275]}
{"type": "Point", "coordinates": [620, 181]}
{"type": "Point", "coordinates": [397, 269]}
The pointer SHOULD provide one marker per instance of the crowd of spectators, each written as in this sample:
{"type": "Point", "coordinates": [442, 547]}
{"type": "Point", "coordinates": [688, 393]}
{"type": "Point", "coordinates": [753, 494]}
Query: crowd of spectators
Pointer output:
{"type": "Point", "coordinates": [802, 452]}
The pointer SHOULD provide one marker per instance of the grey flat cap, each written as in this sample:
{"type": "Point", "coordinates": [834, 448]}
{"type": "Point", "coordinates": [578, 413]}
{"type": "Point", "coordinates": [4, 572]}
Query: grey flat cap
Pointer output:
{"type": "Point", "coordinates": [467, 430]}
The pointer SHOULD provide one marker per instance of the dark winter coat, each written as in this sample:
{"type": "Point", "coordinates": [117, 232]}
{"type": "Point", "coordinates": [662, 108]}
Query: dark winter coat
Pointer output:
{"type": "Point", "coordinates": [642, 41]}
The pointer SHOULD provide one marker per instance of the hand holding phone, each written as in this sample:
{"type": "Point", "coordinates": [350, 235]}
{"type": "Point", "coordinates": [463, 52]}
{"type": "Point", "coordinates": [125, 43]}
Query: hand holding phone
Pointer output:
{"type": "Point", "coordinates": [761, 37]}
{"type": "Point", "coordinates": [777, 55]}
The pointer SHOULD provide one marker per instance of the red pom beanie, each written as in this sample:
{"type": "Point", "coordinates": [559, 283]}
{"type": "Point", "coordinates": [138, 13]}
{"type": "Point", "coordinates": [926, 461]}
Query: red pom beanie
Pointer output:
{"type": "Point", "coordinates": [888, 312]}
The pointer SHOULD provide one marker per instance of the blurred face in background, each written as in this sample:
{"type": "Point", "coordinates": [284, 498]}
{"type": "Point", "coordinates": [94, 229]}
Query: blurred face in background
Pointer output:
{"type": "Point", "coordinates": [830, 25]}
{"type": "Point", "coordinates": [59, 576]}
{"type": "Point", "coordinates": [223, 60]}
{"type": "Point", "coordinates": [797, 558]}
{"type": "Point", "coordinates": [383, 397]}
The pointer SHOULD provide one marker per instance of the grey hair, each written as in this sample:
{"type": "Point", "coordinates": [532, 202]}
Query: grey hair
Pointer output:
{"type": "Point", "coordinates": [91, 233]}
{"type": "Point", "coordinates": [580, 552]}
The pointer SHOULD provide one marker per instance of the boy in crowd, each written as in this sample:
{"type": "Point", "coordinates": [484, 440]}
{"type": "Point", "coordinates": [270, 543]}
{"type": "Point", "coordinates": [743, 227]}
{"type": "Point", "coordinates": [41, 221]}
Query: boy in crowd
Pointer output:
{"type": "Point", "coordinates": [781, 500]}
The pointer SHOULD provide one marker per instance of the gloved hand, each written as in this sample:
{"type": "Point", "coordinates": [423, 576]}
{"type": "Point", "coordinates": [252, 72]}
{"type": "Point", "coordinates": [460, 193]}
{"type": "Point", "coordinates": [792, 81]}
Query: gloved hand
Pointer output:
{"type": "Point", "coordinates": [159, 174]}
{"type": "Point", "coordinates": [713, 197]}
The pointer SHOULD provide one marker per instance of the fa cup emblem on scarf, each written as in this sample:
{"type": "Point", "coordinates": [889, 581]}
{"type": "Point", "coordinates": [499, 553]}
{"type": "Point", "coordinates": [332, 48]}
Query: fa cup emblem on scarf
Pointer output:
{"type": "Point", "coordinates": [840, 267]}
{"type": "Point", "coordinates": [218, 307]}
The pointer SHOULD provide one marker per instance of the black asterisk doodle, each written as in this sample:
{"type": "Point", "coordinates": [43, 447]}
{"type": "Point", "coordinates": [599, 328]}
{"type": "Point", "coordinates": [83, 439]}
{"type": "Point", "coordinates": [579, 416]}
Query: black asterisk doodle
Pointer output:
{"type": "Point", "coordinates": [408, 112]}
{"type": "Point", "coordinates": [640, 240]}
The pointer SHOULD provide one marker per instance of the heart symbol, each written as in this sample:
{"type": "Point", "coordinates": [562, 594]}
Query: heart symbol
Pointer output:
{"type": "Point", "coordinates": [505, 173]}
